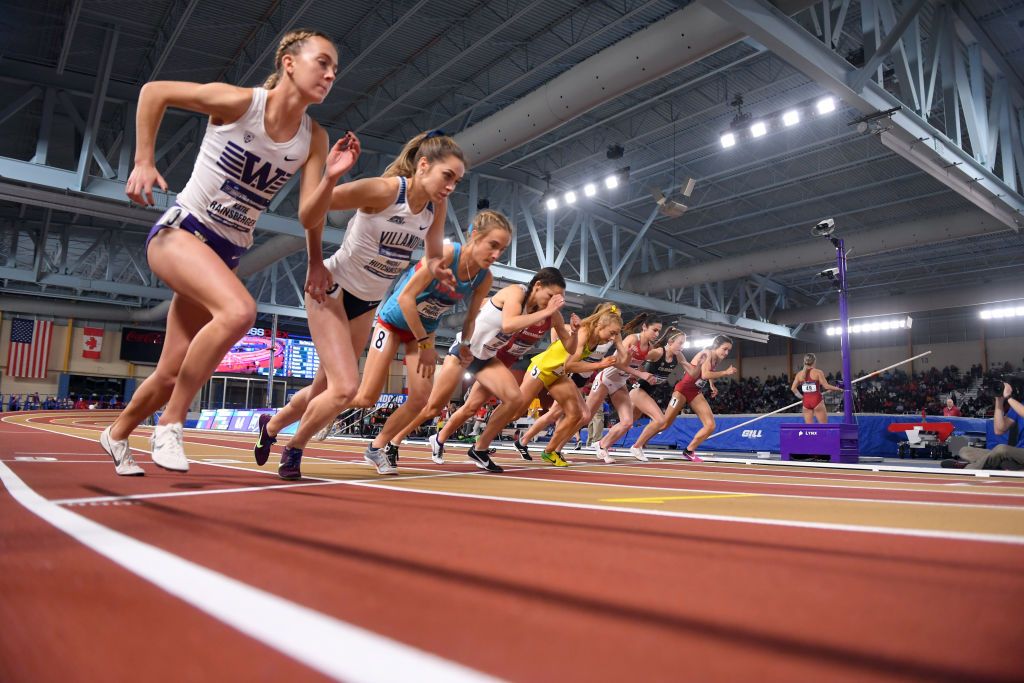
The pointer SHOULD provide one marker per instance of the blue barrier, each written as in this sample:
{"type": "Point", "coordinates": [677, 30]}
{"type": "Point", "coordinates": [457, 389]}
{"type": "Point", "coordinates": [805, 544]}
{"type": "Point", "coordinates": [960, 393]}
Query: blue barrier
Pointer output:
{"type": "Point", "coordinates": [763, 435]}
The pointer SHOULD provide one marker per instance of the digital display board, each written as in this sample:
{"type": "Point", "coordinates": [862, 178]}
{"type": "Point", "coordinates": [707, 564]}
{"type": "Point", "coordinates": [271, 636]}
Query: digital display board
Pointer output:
{"type": "Point", "coordinates": [251, 355]}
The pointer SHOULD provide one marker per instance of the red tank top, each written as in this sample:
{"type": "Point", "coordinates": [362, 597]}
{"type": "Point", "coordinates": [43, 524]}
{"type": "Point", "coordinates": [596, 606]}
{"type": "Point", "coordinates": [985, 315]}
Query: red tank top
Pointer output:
{"type": "Point", "coordinates": [698, 360]}
{"type": "Point", "coordinates": [524, 340]}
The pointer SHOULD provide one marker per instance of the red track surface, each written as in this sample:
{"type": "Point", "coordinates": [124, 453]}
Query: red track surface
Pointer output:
{"type": "Point", "coordinates": [518, 591]}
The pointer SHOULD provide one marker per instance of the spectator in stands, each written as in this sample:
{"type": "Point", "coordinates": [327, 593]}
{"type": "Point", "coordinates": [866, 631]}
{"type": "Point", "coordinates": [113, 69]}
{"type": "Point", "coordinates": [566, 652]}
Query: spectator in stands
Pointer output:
{"type": "Point", "coordinates": [950, 410]}
{"type": "Point", "coordinates": [13, 404]}
{"type": "Point", "coordinates": [1008, 456]}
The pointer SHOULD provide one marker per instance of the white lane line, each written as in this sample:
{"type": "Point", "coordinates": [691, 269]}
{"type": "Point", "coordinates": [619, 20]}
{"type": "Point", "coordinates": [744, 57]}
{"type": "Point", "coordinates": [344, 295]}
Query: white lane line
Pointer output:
{"type": "Point", "coordinates": [333, 647]}
{"type": "Point", "coordinates": [773, 495]}
{"type": "Point", "coordinates": [829, 526]}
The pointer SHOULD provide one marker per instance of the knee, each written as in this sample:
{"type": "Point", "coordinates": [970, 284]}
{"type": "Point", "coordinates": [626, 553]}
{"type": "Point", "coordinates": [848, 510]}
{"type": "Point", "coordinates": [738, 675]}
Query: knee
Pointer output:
{"type": "Point", "coordinates": [240, 317]}
{"type": "Point", "coordinates": [627, 423]}
{"type": "Point", "coordinates": [340, 396]}
{"type": "Point", "coordinates": [415, 403]}
{"type": "Point", "coordinates": [1001, 449]}
{"type": "Point", "coordinates": [710, 426]}
{"type": "Point", "coordinates": [362, 400]}
{"type": "Point", "coordinates": [163, 381]}
{"type": "Point", "coordinates": [573, 415]}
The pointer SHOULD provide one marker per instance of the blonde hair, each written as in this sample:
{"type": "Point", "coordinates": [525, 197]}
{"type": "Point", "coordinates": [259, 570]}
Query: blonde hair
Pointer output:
{"type": "Point", "coordinates": [431, 145]}
{"type": "Point", "coordinates": [605, 314]}
{"type": "Point", "coordinates": [809, 359]}
{"type": "Point", "coordinates": [487, 221]}
{"type": "Point", "coordinates": [290, 44]}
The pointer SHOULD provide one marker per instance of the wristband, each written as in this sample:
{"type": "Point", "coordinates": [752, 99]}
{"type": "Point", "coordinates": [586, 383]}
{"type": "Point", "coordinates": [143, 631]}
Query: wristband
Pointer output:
{"type": "Point", "coordinates": [426, 345]}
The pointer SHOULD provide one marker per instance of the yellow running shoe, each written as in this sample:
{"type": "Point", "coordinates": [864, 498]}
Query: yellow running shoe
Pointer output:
{"type": "Point", "coordinates": [555, 459]}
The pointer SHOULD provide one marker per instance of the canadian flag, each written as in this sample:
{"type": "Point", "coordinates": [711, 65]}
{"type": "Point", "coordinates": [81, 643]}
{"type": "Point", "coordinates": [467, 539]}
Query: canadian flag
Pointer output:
{"type": "Point", "coordinates": [92, 342]}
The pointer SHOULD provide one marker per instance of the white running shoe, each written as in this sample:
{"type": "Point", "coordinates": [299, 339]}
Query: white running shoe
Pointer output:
{"type": "Point", "coordinates": [436, 449]}
{"type": "Point", "coordinates": [638, 453]}
{"type": "Point", "coordinates": [121, 452]}
{"type": "Point", "coordinates": [169, 448]}
{"type": "Point", "coordinates": [602, 453]}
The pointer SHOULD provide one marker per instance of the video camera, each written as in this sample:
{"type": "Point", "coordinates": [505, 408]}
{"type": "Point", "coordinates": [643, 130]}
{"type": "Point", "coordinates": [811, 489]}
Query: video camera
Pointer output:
{"type": "Point", "coordinates": [1014, 379]}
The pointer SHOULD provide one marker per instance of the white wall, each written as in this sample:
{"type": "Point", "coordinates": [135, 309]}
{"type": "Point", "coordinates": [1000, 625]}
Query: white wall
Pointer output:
{"type": "Point", "coordinates": [108, 365]}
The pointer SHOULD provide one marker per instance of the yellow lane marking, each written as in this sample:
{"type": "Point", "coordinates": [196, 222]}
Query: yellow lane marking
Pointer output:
{"type": "Point", "coordinates": [658, 500]}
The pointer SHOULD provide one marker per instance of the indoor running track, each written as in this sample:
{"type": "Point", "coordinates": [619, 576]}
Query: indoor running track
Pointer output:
{"type": "Point", "coordinates": [633, 571]}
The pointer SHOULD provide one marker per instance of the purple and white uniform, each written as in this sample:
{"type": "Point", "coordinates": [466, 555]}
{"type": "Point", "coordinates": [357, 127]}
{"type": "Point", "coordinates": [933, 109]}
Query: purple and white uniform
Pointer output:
{"type": "Point", "coordinates": [238, 171]}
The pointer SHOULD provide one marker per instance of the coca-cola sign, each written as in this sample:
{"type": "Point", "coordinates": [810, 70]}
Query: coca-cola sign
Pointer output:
{"type": "Point", "coordinates": [141, 346]}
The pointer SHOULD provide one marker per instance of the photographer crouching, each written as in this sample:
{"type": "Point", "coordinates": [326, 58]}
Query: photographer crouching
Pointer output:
{"type": "Point", "coordinates": [1008, 419]}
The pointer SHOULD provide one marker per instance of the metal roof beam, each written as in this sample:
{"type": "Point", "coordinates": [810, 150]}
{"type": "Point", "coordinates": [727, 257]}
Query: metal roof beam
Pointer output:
{"type": "Point", "coordinates": [911, 136]}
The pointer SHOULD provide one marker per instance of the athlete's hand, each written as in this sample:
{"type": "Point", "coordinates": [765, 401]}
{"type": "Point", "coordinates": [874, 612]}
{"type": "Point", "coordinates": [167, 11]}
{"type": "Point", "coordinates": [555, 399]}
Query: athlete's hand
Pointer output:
{"type": "Point", "coordinates": [714, 391]}
{"type": "Point", "coordinates": [465, 355]}
{"type": "Point", "coordinates": [343, 156]}
{"type": "Point", "coordinates": [140, 184]}
{"type": "Point", "coordinates": [441, 273]}
{"type": "Point", "coordinates": [555, 303]}
{"type": "Point", "coordinates": [575, 322]}
{"type": "Point", "coordinates": [647, 377]}
{"type": "Point", "coordinates": [606, 362]}
{"type": "Point", "coordinates": [731, 371]}
{"type": "Point", "coordinates": [428, 362]}
{"type": "Point", "coordinates": [318, 281]}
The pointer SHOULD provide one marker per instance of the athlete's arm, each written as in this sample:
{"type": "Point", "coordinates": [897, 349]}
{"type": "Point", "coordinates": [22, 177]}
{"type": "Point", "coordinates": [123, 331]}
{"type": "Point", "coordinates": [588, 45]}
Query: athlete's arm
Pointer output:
{"type": "Point", "coordinates": [796, 383]}
{"type": "Point", "coordinates": [433, 246]}
{"type": "Point", "coordinates": [568, 337]}
{"type": "Point", "coordinates": [824, 382]}
{"type": "Point", "coordinates": [416, 285]}
{"type": "Point", "coordinates": [223, 103]}
{"type": "Point", "coordinates": [372, 195]}
{"type": "Point", "coordinates": [1001, 423]}
{"type": "Point", "coordinates": [513, 319]}
{"type": "Point", "coordinates": [320, 174]}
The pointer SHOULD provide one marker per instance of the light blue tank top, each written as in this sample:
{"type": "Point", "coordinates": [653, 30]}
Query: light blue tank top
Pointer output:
{"type": "Point", "coordinates": [434, 301]}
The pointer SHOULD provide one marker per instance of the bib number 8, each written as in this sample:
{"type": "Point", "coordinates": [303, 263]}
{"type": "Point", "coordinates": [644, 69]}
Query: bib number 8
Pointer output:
{"type": "Point", "coordinates": [380, 339]}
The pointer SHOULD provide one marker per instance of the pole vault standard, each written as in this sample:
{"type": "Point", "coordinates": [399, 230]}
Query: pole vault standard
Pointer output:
{"type": "Point", "coordinates": [793, 405]}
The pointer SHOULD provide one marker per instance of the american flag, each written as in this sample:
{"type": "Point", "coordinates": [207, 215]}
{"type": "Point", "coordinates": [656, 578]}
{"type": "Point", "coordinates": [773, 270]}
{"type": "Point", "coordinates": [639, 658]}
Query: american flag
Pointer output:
{"type": "Point", "coordinates": [30, 348]}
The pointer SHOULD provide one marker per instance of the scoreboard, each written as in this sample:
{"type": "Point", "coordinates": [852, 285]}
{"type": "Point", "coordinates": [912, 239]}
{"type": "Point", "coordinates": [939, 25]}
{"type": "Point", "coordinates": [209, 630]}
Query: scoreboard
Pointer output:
{"type": "Point", "coordinates": [301, 359]}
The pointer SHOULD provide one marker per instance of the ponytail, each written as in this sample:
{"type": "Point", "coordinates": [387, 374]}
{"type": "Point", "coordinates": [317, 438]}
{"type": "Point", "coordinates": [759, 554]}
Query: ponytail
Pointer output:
{"type": "Point", "coordinates": [431, 145]}
{"type": "Point", "coordinates": [628, 328]}
{"type": "Point", "coordinates": [605, 314]}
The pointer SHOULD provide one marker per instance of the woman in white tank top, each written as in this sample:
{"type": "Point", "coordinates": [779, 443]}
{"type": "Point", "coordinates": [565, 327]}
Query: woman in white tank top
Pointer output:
{"type": "Point", "coordinates": [256, 139]}
{"type": "Point", "coordinates": [397, 213]}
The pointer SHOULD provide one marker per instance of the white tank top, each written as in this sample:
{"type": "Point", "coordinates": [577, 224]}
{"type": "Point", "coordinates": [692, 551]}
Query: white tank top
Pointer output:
{"type": "Point", "coordinates": [238, 171]}
{"type": "Point", "coordinates": [379, 246]}
{"type": "Point", "coordinates": [487, 335]}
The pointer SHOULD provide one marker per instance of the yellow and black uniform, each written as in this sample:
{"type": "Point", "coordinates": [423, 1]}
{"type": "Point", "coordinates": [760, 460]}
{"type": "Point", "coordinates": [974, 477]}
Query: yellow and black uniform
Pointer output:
{"type": "Point", "coordinates": [549, 365]}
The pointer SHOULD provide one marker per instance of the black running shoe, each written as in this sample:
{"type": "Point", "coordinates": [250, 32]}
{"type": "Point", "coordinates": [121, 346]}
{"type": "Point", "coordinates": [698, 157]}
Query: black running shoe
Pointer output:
{"type": "Point", "coordinates": [263, 442]}
{"type": "Point", "coordinates": [523, 452]}
{"type": "Point", "coordinates": [483, 460]}
{"type": "Point", "coordinates": [291, 458]}
{"type": "Point", "coordinates": [391, 452]}
{"type": "Point", "coordinates": [954, 463]}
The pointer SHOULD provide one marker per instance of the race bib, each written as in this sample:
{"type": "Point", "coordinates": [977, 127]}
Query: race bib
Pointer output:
{"type": "Point", "coordinates": [380, 338]}
{"type": "Point", "coordinates": [808, 387]}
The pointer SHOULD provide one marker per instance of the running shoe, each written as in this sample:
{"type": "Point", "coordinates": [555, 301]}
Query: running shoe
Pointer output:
{"type": "Point", "coordinates": [168, 448]}
{"type": "Point", "coordinates": [601, 453]}
{"type": "Point", "coordinates": [291, 459]}
{"type": "Point", "coordinates": [379, 459]}
{"type": "Point", "coordinates": [555, 459]}
{"type": "Point", "coordinates": [524, 453]}
{"type": "Point", "coordinates": [691, 456]}
{"type": "Point", "coordinates": [264, 441]}
{"type": "Point", "coordinates": [579, 445]}
{"type": "Point", "coordinates": [949, 463]}
{"type": "Point", "coordinates": [391, 452]}
{"type": "Point", "coordinates": [436, 449]}
{"type": "Point", "coordinates": [121, 452]}
{"type": "Point", "coordinates": [638, 453]}
{"type": "Point", "coordinates": [482, 459]}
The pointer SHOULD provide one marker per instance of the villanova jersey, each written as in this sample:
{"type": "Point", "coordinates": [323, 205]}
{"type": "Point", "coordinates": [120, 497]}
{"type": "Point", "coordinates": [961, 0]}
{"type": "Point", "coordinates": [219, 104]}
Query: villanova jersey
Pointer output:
{"type": "Point", "coordinates": [379, 246]}
{"type": "Point", "coordinates": [434, 301]}
{"type": "Point", "coordinates": [238, 171]}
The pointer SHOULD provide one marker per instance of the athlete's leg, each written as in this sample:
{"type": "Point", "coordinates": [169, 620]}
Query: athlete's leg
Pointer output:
{"type": "Point", "coordinates": [193, 270]}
